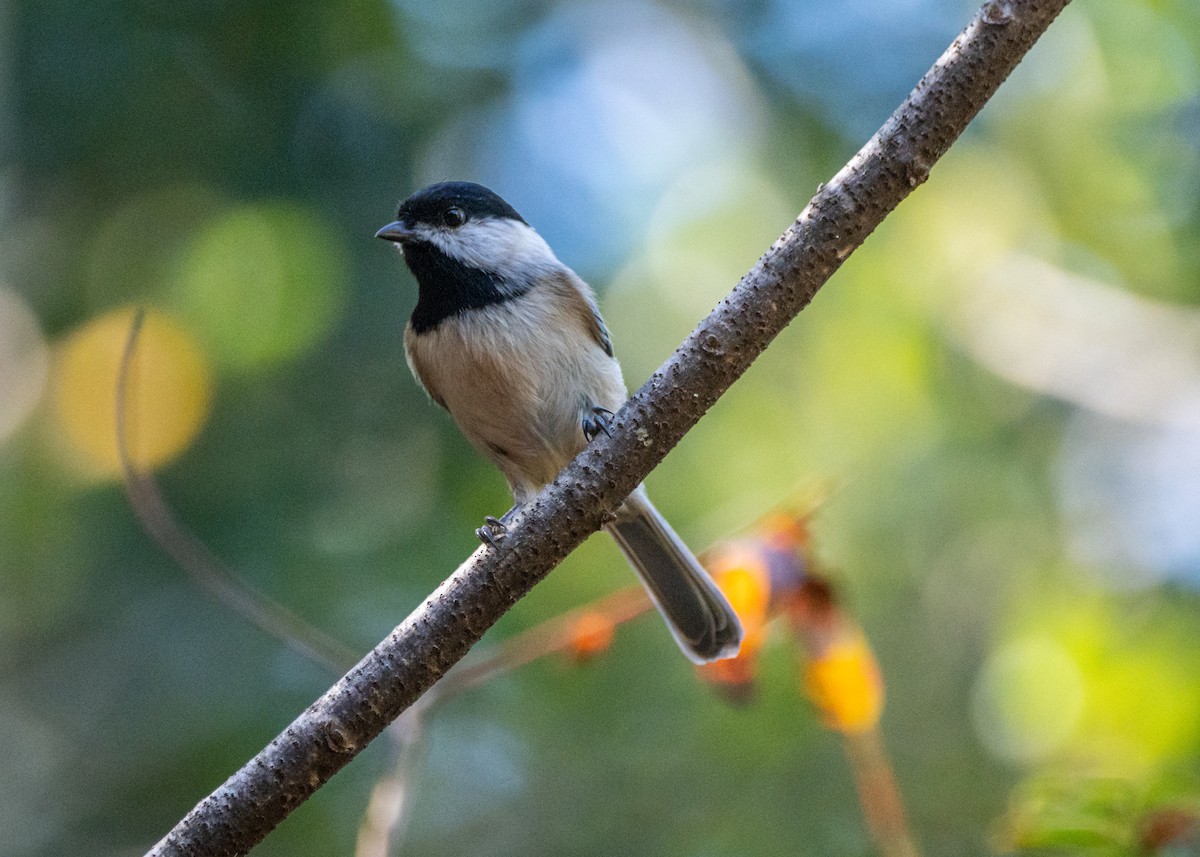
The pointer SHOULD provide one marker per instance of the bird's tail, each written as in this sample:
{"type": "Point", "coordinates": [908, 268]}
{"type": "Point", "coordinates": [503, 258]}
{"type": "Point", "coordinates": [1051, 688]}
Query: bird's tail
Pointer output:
{"type": "Point", "coordinates": [700, 618]}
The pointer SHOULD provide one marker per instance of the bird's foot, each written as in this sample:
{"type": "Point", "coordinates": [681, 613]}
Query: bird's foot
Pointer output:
{"type": "Point", "coordinates": [492, 532]}
{"type": "Point", "coordinates": [597, 420]}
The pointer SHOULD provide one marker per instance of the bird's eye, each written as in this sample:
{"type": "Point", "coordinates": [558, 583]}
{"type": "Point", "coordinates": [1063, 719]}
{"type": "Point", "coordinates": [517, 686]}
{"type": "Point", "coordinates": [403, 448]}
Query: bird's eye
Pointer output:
{"type": "Point", "coordinates": [454, 217]}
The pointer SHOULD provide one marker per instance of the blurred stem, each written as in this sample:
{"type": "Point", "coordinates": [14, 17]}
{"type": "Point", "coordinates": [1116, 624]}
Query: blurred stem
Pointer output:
{"type": "Point", "coordinates": [546, 638]}
{"type": "Point", "coordinates": [330, 732]}
{"type": "Point", "coordinates": [381, 831]}
{"type": "Point", "coordinates": [878, 795]}
{"type": "Point", "coordinates": [194, 557]}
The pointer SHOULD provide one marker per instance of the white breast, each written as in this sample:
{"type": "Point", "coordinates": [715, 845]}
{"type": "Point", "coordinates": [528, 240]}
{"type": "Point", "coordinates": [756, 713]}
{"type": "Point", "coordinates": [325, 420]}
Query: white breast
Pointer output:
{"type": "Point", "coordinates": [518, 377]}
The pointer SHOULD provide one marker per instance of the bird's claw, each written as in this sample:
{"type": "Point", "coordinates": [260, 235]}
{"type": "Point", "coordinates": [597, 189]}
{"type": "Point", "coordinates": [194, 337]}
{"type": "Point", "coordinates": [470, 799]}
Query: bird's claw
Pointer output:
{"type": "Point", "coordinates": [492, 532]}
{"type": "Point", "coordinates": [597, 421]}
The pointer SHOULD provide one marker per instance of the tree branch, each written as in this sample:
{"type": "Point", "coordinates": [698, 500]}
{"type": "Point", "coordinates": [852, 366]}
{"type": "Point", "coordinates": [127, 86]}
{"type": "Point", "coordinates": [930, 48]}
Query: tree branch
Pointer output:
{"type": "Point", "coordinates": [439, 632]}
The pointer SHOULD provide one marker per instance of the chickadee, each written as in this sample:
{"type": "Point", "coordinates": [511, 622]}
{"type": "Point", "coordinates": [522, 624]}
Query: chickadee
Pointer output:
{"type": "Point", "coordinates": [509, 340]}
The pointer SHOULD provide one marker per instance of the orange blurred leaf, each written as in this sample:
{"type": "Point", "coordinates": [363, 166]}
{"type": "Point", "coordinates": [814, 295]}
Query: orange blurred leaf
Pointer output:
{"type": "Point", "coordinates": [591, 634]}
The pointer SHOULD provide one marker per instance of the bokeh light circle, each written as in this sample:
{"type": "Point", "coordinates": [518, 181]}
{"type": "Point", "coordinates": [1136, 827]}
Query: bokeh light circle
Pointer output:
{"type": "Point", "coordinates": [261, 283]}
{"type": "Point", "coordinates": [168, 393]}
{"type": "Point", "coordinates": [1029, 699]}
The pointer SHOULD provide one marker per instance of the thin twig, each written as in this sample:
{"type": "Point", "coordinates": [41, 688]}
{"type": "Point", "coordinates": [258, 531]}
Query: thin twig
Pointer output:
{"type": "Point", "coordinates": [878, 796]}
{"type": "Point", "coordinates": [545, 638]}
{"type": "Point", "coordinates": [438, 633]}
{"type": "Point", "coordinates": [194, 557]}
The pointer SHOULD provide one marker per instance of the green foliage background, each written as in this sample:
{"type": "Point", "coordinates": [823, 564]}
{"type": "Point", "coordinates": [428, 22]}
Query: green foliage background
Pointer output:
{"type": "Point", "coordinates": [1000, 387]}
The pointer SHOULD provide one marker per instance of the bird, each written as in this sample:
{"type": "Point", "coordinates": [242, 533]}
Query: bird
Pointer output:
{"type": "Point", "coordinates": [510, 341]}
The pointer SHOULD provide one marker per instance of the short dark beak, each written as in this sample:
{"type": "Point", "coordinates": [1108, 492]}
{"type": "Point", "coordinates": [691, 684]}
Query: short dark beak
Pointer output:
{"type": "Point", "coordinates": [397, 232]}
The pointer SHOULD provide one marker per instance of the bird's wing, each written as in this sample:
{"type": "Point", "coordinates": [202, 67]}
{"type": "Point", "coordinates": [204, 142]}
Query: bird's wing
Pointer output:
{"type": "Point", "coordinates": [582, 299]}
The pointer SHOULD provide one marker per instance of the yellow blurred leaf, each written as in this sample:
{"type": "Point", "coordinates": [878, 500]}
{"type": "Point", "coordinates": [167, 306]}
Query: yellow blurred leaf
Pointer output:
{"type": "Point", "coordinates": [844, 682]}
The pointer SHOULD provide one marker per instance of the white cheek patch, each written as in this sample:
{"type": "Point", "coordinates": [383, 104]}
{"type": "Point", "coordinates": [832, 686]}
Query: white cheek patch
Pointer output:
{"type": "Point", "coordinates": [507, 248]}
